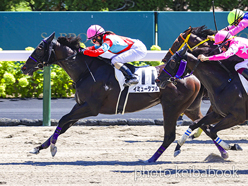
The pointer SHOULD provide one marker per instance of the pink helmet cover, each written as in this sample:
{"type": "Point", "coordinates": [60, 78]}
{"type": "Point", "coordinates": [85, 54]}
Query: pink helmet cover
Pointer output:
{"type": "Point", "coordinates": [94, 30]}
{"type": "Point", "coordinates": [221, 36]}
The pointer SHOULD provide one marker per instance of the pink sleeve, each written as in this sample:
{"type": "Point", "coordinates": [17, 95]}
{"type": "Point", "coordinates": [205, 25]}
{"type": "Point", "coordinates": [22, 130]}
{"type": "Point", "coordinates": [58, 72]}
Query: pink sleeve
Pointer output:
{"type": "Point", "coordinates": [229, 27]}
{"type": "Point", "coordinates": [233, 49]}
{"type": "Point", "coordinates": [241, 26]}
{"type": "Point", "coordinates": [218, 57]}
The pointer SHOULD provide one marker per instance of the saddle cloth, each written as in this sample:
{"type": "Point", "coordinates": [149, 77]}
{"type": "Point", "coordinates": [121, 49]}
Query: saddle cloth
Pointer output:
{"type": "Point", "coordinates": [244, 82]}
{"type": "Point", "coordinates": [146, 75]}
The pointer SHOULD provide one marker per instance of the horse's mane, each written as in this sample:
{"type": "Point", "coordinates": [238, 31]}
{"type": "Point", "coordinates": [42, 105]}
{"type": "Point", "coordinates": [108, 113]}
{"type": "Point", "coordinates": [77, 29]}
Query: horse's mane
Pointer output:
{"type": "Point", "coordinates": [202, 31]}
{"type": "Point", "coordinates": [72, 42]}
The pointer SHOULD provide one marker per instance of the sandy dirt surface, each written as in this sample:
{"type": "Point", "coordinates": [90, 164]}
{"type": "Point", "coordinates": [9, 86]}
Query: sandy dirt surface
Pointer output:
{"type": "Point", "coordinates": [110, 155]}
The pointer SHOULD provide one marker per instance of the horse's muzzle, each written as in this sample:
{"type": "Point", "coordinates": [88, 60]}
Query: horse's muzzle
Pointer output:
{"type": "Point", "coordinates": [161, 84]}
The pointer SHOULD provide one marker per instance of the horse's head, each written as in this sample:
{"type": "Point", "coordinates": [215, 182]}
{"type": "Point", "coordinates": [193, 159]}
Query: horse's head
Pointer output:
{"type": "Point", "coordinates": [40, 56]}
{"type": "Point", "coordinates": [196, 41]}
{"type": "Point", "coordinates": [180, 41]}
{"type": "Point", "coordinates": [174, 69]}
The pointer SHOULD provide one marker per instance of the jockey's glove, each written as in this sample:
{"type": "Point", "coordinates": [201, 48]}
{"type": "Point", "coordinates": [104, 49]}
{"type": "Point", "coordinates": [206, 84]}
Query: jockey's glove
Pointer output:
{"type": "Point", "coordinates": [81, 50]}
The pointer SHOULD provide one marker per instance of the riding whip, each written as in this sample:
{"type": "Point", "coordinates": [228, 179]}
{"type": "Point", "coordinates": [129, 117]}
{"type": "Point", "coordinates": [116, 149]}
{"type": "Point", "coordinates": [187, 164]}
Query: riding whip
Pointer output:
{"type": "Point", "coordinates": [214, 18]}
{"type": "Point", "coordinates": [230, 75]}
{"type": "Point", "coordinates": [90, 72]}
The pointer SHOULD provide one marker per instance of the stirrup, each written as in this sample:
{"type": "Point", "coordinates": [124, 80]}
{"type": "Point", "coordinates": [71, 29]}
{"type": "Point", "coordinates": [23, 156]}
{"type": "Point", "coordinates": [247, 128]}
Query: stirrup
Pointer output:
{"type": "Point", "coordinates": [132, 81]}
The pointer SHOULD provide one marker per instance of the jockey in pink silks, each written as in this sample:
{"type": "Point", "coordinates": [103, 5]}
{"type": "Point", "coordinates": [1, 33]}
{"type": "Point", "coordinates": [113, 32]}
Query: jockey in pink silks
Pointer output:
{"type": "Point", "coordinates": [238, 21]}
{"type": "Point", "coordinates": [126, 50]}
{"type": "Point", "coordinates": [230, 46]}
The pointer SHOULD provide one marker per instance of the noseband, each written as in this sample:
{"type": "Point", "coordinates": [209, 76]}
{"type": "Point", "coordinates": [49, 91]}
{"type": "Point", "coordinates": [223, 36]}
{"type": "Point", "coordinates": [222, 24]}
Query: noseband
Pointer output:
{"type": "Point", "coordinates": [44, 60]}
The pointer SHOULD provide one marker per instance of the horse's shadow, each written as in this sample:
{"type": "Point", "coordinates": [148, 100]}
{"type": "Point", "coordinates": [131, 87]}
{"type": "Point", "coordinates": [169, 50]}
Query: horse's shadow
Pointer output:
{"type": "Point", "coordinates": [195, 141]}
{"type": "Point", "coordinates": [104, 163]}
{"type": "Point", "coordinates": [146, 171]}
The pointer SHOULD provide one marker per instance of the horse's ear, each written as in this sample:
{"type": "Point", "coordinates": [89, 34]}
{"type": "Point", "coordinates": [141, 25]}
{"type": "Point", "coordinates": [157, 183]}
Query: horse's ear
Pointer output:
{"type": "Point", "coordinates": [190, 28]}
{"type": "Point", "coordinates": [50, 38]}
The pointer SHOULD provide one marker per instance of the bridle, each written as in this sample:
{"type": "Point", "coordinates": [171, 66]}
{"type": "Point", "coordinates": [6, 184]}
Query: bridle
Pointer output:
{"type": "Point", "coordinates": [49, 51]}
{"type": "Point", "coordinates": [186, 41]}
{"type": "Point", "coordinates": [46, 59]}
{"type": "Point", "coordinates": [181, 69]}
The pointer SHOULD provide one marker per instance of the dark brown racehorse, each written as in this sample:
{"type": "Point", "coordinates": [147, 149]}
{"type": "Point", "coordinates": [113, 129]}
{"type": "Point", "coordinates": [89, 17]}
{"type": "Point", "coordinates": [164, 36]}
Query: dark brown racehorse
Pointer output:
{"type": "Point", "coordinates": [228, 98]}
{"type": "Point", "coordinates": [101, 95]}
{"type": "Point", "coordinates": [194, 38]}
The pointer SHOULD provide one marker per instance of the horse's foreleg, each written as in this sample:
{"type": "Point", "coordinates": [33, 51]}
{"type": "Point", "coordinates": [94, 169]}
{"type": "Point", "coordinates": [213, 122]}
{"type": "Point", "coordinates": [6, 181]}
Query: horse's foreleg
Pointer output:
{"type": "Point", "coordinates": [199, 130]}
{"type": "Point", "coordinates": [167, 141]}
{"type": "Point", "coordinates": [169, 137]}
{"type": "Point", "coordinates": [157, 154]}
{"type": "Point", "coordinates": [45, 145]}
{"type": "Point", "coordinates": [208, 119]}
{"type": "Point", "coordinates": [223, 152]}
{"type": "Point", "coordinates": [78, 112]}
{"type": "Point", "coordinates": [227, 122]}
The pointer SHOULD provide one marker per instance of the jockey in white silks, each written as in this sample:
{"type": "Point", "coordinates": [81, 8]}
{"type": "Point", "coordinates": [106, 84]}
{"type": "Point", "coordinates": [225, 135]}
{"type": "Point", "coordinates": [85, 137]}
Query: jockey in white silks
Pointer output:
{"type": "Point", "coordinates": [126, 50]}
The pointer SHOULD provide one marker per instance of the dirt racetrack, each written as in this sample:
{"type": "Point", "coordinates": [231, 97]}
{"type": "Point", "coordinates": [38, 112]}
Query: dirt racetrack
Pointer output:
{"type": "Point", "coordinates": [110, 155]}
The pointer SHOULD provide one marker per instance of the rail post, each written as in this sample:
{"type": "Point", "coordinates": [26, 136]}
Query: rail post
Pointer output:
{"type": "Point", "coordinates": [47, 96]}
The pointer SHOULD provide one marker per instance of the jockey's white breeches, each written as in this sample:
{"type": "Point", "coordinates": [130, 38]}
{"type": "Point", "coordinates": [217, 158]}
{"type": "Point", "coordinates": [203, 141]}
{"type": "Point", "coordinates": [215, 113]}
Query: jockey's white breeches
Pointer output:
{"type": "Point", "coordinates": [135, 53]}
{"type": "Point", "coordinates": [243, 64]}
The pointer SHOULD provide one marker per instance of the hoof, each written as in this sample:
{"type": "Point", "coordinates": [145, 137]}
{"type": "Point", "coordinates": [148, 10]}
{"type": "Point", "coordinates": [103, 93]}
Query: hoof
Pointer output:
{"type": "Point", "coordinates": [53, 149]}
{"type": "Point", "coordinates": [224, 155]}
{"type": "Point", "coordinates": [146, 161]}
{"type": "Point", "coordinates": [177, 152]}
{"type": "Point", "coordinates": [35, 151]}
{"type": "Point", "coordinates": [192, 137]}
{"type": "Point", "coordinates": [237, 147]}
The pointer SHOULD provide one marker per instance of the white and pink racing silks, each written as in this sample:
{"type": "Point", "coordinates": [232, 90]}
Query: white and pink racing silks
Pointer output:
{"type": "Point", "coordinates": [238, 46]}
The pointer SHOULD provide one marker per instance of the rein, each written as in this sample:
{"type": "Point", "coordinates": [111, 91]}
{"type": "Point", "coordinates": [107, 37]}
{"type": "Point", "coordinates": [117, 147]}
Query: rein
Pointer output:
{"type": "Point", "coordinates": [185, 41]}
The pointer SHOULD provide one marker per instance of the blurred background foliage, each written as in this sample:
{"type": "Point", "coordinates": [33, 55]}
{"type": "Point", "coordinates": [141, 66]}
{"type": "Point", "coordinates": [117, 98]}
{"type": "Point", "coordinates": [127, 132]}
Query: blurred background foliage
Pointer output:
{"type": "Point", "coordinates": [13, 83]}
{"type": "Point", "coordinates": [120, 5]}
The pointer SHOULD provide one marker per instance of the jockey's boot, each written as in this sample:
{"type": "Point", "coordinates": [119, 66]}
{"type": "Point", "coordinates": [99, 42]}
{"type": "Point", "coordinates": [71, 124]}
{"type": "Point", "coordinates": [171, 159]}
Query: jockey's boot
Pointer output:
{"type": "Point", "coordinates": [131, 79]}
{"type": "Point", "coordinates": [245, 73]}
